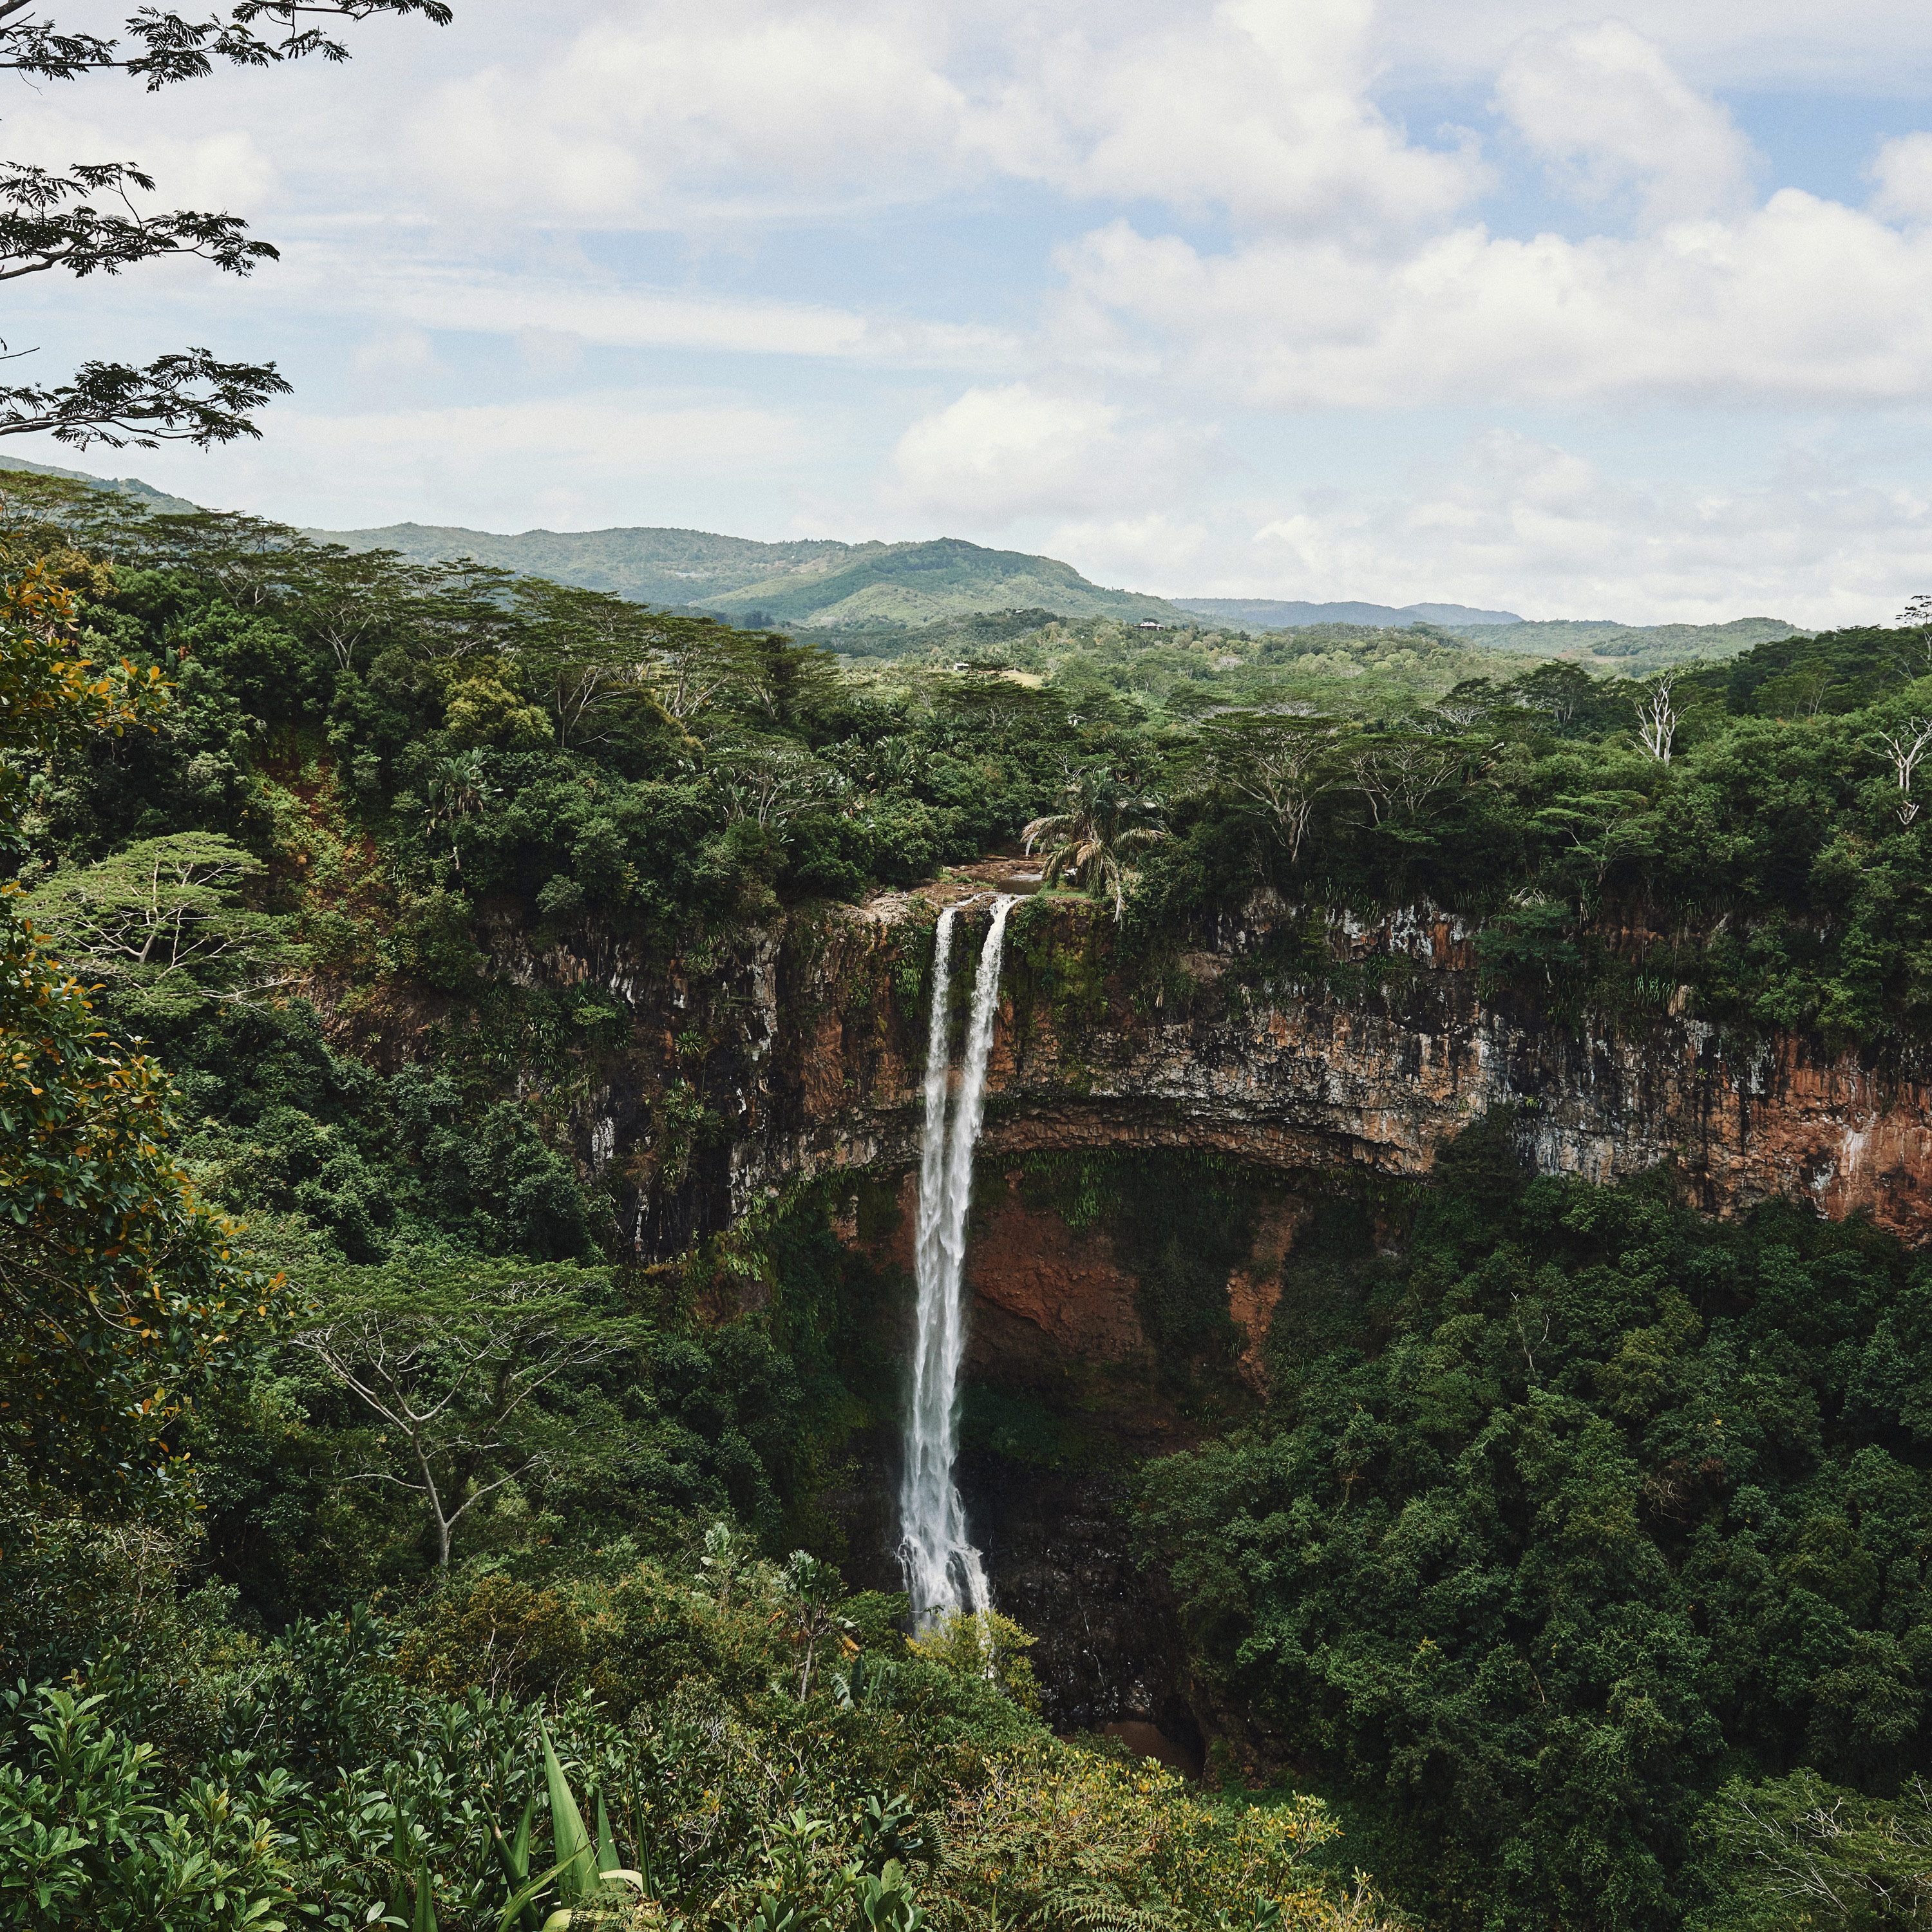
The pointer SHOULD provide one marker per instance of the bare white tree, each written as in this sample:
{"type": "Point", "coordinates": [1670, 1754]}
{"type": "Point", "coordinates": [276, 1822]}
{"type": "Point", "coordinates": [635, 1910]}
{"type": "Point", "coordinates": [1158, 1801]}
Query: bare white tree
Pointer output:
{"type": "Point", "coordinates": [1918, 616]}
{"type": "Point", "coordinates": [1659, 712]}
{"type": "Point", "coordinates": [1282, 765]}
{"type": "Point", "coordinates": [1400, 776]}
{"type": "Point", "coordinates": [1906, 746]}
{"type": "Point", "coordinates": [772, 784]}
{"type": "Point", "coordinates": [1827, 1855]}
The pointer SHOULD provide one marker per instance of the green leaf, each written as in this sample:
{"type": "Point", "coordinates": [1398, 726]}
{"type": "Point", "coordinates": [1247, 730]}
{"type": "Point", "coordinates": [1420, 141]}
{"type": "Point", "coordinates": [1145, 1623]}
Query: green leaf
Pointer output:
{"type": "Point", "coordinates": [569, 1838]}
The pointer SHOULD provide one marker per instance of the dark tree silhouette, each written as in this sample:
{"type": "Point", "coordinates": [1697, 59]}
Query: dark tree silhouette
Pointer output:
{"type": "Point", "coordinates": [88, 221]}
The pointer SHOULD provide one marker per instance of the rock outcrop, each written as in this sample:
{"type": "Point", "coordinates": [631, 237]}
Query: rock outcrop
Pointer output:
{"type": "Point", "coordinates": [810, 1041]}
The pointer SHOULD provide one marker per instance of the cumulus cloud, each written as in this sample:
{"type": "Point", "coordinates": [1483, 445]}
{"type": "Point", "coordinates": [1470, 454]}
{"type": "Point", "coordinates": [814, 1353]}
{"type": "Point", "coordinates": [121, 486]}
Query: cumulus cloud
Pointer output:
{"type": "Point", "coordinates": [654, 115]}
{"type": "Point", "coordinates": [655, 112]}
{"type": "Point", "coordinates": [1802, 300]}
{"type": "Point", "coordinates": [1902, 173]}
{"type": "Point", "coordinates": [999, 453]}
{"type": "Point", "coordinates": [1258, 109]}
{"type": "Point", "coordinates": [1603, 106]}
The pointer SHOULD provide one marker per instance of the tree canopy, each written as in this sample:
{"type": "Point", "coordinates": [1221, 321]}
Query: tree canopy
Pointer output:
{"type": "Point", "coordinates": [120, 1298]}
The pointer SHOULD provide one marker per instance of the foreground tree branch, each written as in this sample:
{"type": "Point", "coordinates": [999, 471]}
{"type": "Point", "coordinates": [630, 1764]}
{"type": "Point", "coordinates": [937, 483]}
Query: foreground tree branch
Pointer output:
{"type": "Point", "coordinates": [85, 220]}
{"type": "Point", "coordinates": [163, 46]}
{"type": "Point", "coordinates": [188, 397]}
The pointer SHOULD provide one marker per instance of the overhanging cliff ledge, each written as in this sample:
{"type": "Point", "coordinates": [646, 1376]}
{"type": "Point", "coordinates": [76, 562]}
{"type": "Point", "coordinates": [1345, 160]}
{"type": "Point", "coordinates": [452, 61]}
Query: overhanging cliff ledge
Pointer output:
{"type": "Point", "coordinates": [1287, 1038]}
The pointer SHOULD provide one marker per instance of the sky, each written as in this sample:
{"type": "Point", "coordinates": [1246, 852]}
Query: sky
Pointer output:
{"type": "Point", "coordinates": [1514, 303]}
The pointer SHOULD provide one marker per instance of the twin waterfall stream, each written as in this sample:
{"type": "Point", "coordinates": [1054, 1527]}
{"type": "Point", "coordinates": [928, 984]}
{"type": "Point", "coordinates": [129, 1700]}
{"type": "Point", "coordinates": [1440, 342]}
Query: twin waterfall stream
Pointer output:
{"type": "Point", "coordinates": [944, 1572]}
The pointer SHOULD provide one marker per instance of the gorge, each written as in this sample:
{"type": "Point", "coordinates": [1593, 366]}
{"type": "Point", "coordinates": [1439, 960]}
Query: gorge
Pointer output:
{"type": "Point", "coordinates": [1309, 1063]}
{"type": "Point", "coordinates": [1362, 1050]}
{"type": "Point", "coordinates": [1418, 1264]}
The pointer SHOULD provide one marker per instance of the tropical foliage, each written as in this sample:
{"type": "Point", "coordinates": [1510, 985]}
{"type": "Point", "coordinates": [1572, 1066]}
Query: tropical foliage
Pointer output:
{"type": "Point", "coordinates": [1093, 836]}
{"type": "Point", "coordinates": [658, 1756]}
{"type": "Point", "coordinates": [1577, 1555]}
{"type": "Point", "coordinates": [119, 1299]}
{"type": "Point", "coordinates": [1574, 1508]}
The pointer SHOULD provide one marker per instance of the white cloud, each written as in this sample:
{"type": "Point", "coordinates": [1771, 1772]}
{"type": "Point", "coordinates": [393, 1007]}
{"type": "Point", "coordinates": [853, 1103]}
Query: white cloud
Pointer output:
{"type": "Point", "coordinates": [223, 169]}
{"type": "Point", "coordinates": [1877, 47]}
{"type": "Point", "coordinates": [1179, 549]}
{"type": "Point", "coordinates": [999, 453]}
{"type": "Point", "coordinates": [1522, 524]}
{"type": "Point", "coordinates": [1602, 104]}
{"type": "Point", "coordinates": [399, 355]}
{"type": "Point", "coordinates": [1902, 171]}
{"type": "Point", "coordinates": [601, 311]}
{"type": "Point", "coordinates": [653, 109]}
{"type": "Point", "coordinates": [585, 461]}
{"type": "Point", "coordinates": [1799, 300]}
{"type": "Point", "coordinates": [653, 116]}
{"type": "Point", "coordinates": [1256, 108]}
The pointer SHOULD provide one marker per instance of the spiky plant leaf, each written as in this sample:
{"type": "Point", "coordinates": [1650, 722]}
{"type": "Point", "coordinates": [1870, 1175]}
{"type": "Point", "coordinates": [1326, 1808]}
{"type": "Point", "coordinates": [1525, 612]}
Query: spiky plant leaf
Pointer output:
{"type": "Point", "coordinates": [576, 1857]}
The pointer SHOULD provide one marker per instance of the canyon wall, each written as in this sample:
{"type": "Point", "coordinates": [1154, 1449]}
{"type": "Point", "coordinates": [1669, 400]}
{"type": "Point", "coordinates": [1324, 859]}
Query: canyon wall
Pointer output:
{"type": "Point", "coordinates": [800, 1053]}
{"type": "Point", "coordinates": [1289, 1046]}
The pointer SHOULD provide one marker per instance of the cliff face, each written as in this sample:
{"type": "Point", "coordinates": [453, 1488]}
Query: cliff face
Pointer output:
{"type": "Point", "coordinates": [1289, 1050]}
{"type": "Point", "coordinates": [802, 1054]}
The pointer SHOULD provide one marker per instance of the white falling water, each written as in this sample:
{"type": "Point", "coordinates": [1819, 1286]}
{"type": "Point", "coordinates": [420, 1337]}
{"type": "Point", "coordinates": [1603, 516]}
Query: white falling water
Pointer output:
{"type": "Point", "coordinates": [944, 1572]}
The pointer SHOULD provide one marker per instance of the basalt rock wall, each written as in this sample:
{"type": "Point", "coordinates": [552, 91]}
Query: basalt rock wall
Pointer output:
{"type": "Point", "coordinates": [799, 1053]}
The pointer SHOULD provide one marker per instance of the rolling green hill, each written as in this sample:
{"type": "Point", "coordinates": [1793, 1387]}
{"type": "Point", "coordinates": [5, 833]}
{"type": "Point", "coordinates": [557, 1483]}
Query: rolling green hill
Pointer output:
{"type": "Point", "coordinates": [879, 595]}
{"type": "Point", "coordinates": [122, 486]}
{"type": "Point", "coordinates": [809, 582]}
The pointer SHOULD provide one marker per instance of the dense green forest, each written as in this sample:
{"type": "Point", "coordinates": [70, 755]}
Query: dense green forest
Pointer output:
{"type": "Point", "coordinates": [418, 1544]}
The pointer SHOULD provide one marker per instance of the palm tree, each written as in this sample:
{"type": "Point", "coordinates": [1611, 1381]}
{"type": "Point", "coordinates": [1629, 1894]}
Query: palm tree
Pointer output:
{"type": "Point", "coordinates": [1102, 823]}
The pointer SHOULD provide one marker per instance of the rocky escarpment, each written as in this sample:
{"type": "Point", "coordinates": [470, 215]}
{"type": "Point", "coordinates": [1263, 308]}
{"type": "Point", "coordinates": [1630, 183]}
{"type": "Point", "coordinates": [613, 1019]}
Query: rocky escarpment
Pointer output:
{"type": "Point", "coordinates": [800, 1053]}
{"type": "Point", "coordinates": [1292, 1047]}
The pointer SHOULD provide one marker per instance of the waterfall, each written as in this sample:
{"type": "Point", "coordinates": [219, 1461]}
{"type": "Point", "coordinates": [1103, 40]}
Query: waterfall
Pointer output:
{"type": "Point", "coordinates": [942, 1570]}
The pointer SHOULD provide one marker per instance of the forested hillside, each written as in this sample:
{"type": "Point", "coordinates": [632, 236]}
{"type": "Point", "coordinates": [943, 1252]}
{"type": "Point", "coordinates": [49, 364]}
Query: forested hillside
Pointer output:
{"type": "Point", "coordinates": [814, 581]}
{"type": "Point", "coordinates": [427, 1549]}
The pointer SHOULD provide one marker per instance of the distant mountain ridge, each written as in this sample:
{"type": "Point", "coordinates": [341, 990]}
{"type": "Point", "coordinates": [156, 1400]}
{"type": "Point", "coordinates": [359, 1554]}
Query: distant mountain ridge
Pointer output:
{"type": "Point", "coordinates": [121, 486]}
{"type": "Point", "coordinates": [1648, 645]}
{"type": "Point", "coordinates": [1275, 613]}
{"type": "Point", "coordinates": [810, 582]}
{"type": "Point", "coordinates": [818, 582]}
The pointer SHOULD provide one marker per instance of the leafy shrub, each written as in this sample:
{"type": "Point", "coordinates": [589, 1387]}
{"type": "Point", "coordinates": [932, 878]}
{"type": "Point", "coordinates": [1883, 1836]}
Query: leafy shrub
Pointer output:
{"type": "Point", "coordinates": [87, 1842]}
